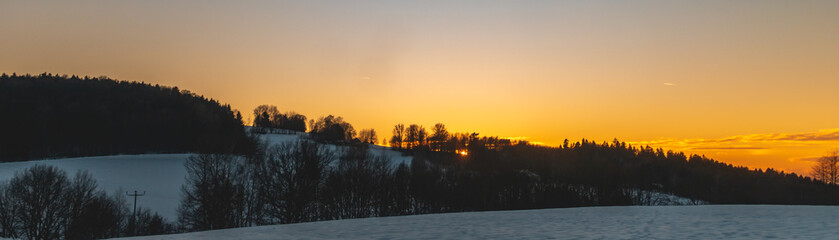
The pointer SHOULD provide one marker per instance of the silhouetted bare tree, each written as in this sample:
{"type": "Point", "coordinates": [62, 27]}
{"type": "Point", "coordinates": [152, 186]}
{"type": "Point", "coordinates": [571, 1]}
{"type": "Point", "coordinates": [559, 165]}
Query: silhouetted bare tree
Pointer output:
{"type": "Point", "coordinates": [826, 168]}
{"type": "Point", "coordinates": [396, 140]}
{"type": "Point", "coordinates": [357, 187]}
{"type": "Point", "coordinates": [295, 174]}
{"type": "Point", "coordinates": [100, 217]}
{"type": "Point", "coordinates": [213, 195]}
{"type": "Point", "coordinates": [42, 203]}
{"type": "Point", "coordinates": [40, 198]}
{"type": "Point", "coordinates": [415, 136]}
{"type": "Point", "coordinates": [438, 137]}
{"type": "Point", "coordinates": [368, 136]}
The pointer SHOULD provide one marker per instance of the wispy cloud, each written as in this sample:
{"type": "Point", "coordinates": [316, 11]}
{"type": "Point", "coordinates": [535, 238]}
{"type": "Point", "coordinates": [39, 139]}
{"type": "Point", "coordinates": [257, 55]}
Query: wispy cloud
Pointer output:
{"type": "Point", "coordinates": [805, 159]}
{"type": "Point", "coordinates": [822, 135]}
{"type": "Point", "coordinates": [728, 148]}
{"type": "Point", "coordinates": [669, 84]}
{"type": "Point", "coordinates": [744, 142]}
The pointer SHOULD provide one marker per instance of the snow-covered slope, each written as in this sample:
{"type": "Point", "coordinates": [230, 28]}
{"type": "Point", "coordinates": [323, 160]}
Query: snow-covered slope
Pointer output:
{"type": "Point", "coordinates": [160, 175]}
{"type": "Point", "coordinates": [395, 156]}
{"type": "Point", "coordinates": [635, 222]}
{"type": "Point", "coordinates": [650, 198]}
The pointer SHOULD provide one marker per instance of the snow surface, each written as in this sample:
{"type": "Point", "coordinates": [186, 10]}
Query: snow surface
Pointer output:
{"type": "Point", "coordinates": [160, 175]}
{"type": "Point", "coordinates": [632, 222]}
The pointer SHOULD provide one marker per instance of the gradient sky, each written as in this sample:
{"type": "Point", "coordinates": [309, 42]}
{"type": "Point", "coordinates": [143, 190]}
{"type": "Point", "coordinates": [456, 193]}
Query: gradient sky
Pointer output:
{"type": "Point", "coordinates": [677, 74]}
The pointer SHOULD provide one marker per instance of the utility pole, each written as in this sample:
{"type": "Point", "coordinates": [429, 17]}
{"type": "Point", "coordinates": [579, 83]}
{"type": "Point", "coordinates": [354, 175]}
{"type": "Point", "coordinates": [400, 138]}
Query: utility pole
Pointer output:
{"type": "Point", "coordinates": [134, 216]}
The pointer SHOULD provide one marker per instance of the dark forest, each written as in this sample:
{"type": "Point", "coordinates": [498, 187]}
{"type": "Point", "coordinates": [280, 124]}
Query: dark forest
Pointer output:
{"type": "Point", "coordinates": [51, 116]}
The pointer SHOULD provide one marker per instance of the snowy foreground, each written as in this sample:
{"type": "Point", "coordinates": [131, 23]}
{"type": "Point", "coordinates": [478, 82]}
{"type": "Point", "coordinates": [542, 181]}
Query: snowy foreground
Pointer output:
{"type": "Point", "coordinates": [159, 175]}
{"type": "Point", "coordinates": [633, 222]}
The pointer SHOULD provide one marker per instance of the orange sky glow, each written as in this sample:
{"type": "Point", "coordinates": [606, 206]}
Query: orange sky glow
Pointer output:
{"type": "Point", "coordinates": [753, 83]}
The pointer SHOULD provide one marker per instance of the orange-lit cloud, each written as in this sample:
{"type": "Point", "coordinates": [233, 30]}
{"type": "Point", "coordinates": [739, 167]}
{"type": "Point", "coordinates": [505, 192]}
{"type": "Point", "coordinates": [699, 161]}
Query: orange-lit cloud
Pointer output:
{"type": "Point", "coordinates": [822, 136]}
{"type": "Point", "coordinates": [811, 159]}
{"type": "Point", "coordinates": [728, 148]}
{"type": "Point", "coordinates": [794, 152]}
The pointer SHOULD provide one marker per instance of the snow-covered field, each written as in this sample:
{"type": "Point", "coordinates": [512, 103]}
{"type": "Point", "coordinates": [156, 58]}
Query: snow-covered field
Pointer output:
{"type": "Point", "coordinates": [634, 222]}
{"type": "Point", "coordinates": [160, 175]}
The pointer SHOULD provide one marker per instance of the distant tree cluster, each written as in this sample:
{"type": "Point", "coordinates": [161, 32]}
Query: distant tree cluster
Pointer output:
{"type": "Point", "coordinates": [325, 129]}
{"type": "Point", "coordinates": [416, 138]}
{"type": "Point", "coordinates": [267, 117]}
{"type": "Point", "coordinates": [368, 136]}
{"type": "Point", "coordinates": [50, 116]}
{"type": "Point", "coordinates": [332, 129]}
{"type": "Point", "coordinates": [43, 203]}
{"type": "Point", "coordinates": [213, 196]}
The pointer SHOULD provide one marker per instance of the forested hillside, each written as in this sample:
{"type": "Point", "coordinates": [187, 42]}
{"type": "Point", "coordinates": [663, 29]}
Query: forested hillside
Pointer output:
{"type": "Point", "coordinates": [309, 180]}
{"type": "Point", "coordinates": [535, 173]}
{"type": "Point", "coordinates": [49, 116]}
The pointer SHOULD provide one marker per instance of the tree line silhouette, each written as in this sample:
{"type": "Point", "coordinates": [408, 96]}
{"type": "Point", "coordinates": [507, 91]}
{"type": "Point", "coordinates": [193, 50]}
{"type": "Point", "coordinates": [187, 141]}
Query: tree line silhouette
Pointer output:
{"type": "Point", "coordinates": [268, 118]}
{"type": "Point", "coordinates": [331, 129]}
{"type": "Point", "coordinates": [50, 116]}
{"type": "Point", "coordinates": [309, 180]}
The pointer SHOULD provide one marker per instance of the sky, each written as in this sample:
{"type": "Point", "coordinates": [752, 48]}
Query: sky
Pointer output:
{"type": "Point", "coordinates": [751, 83]}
